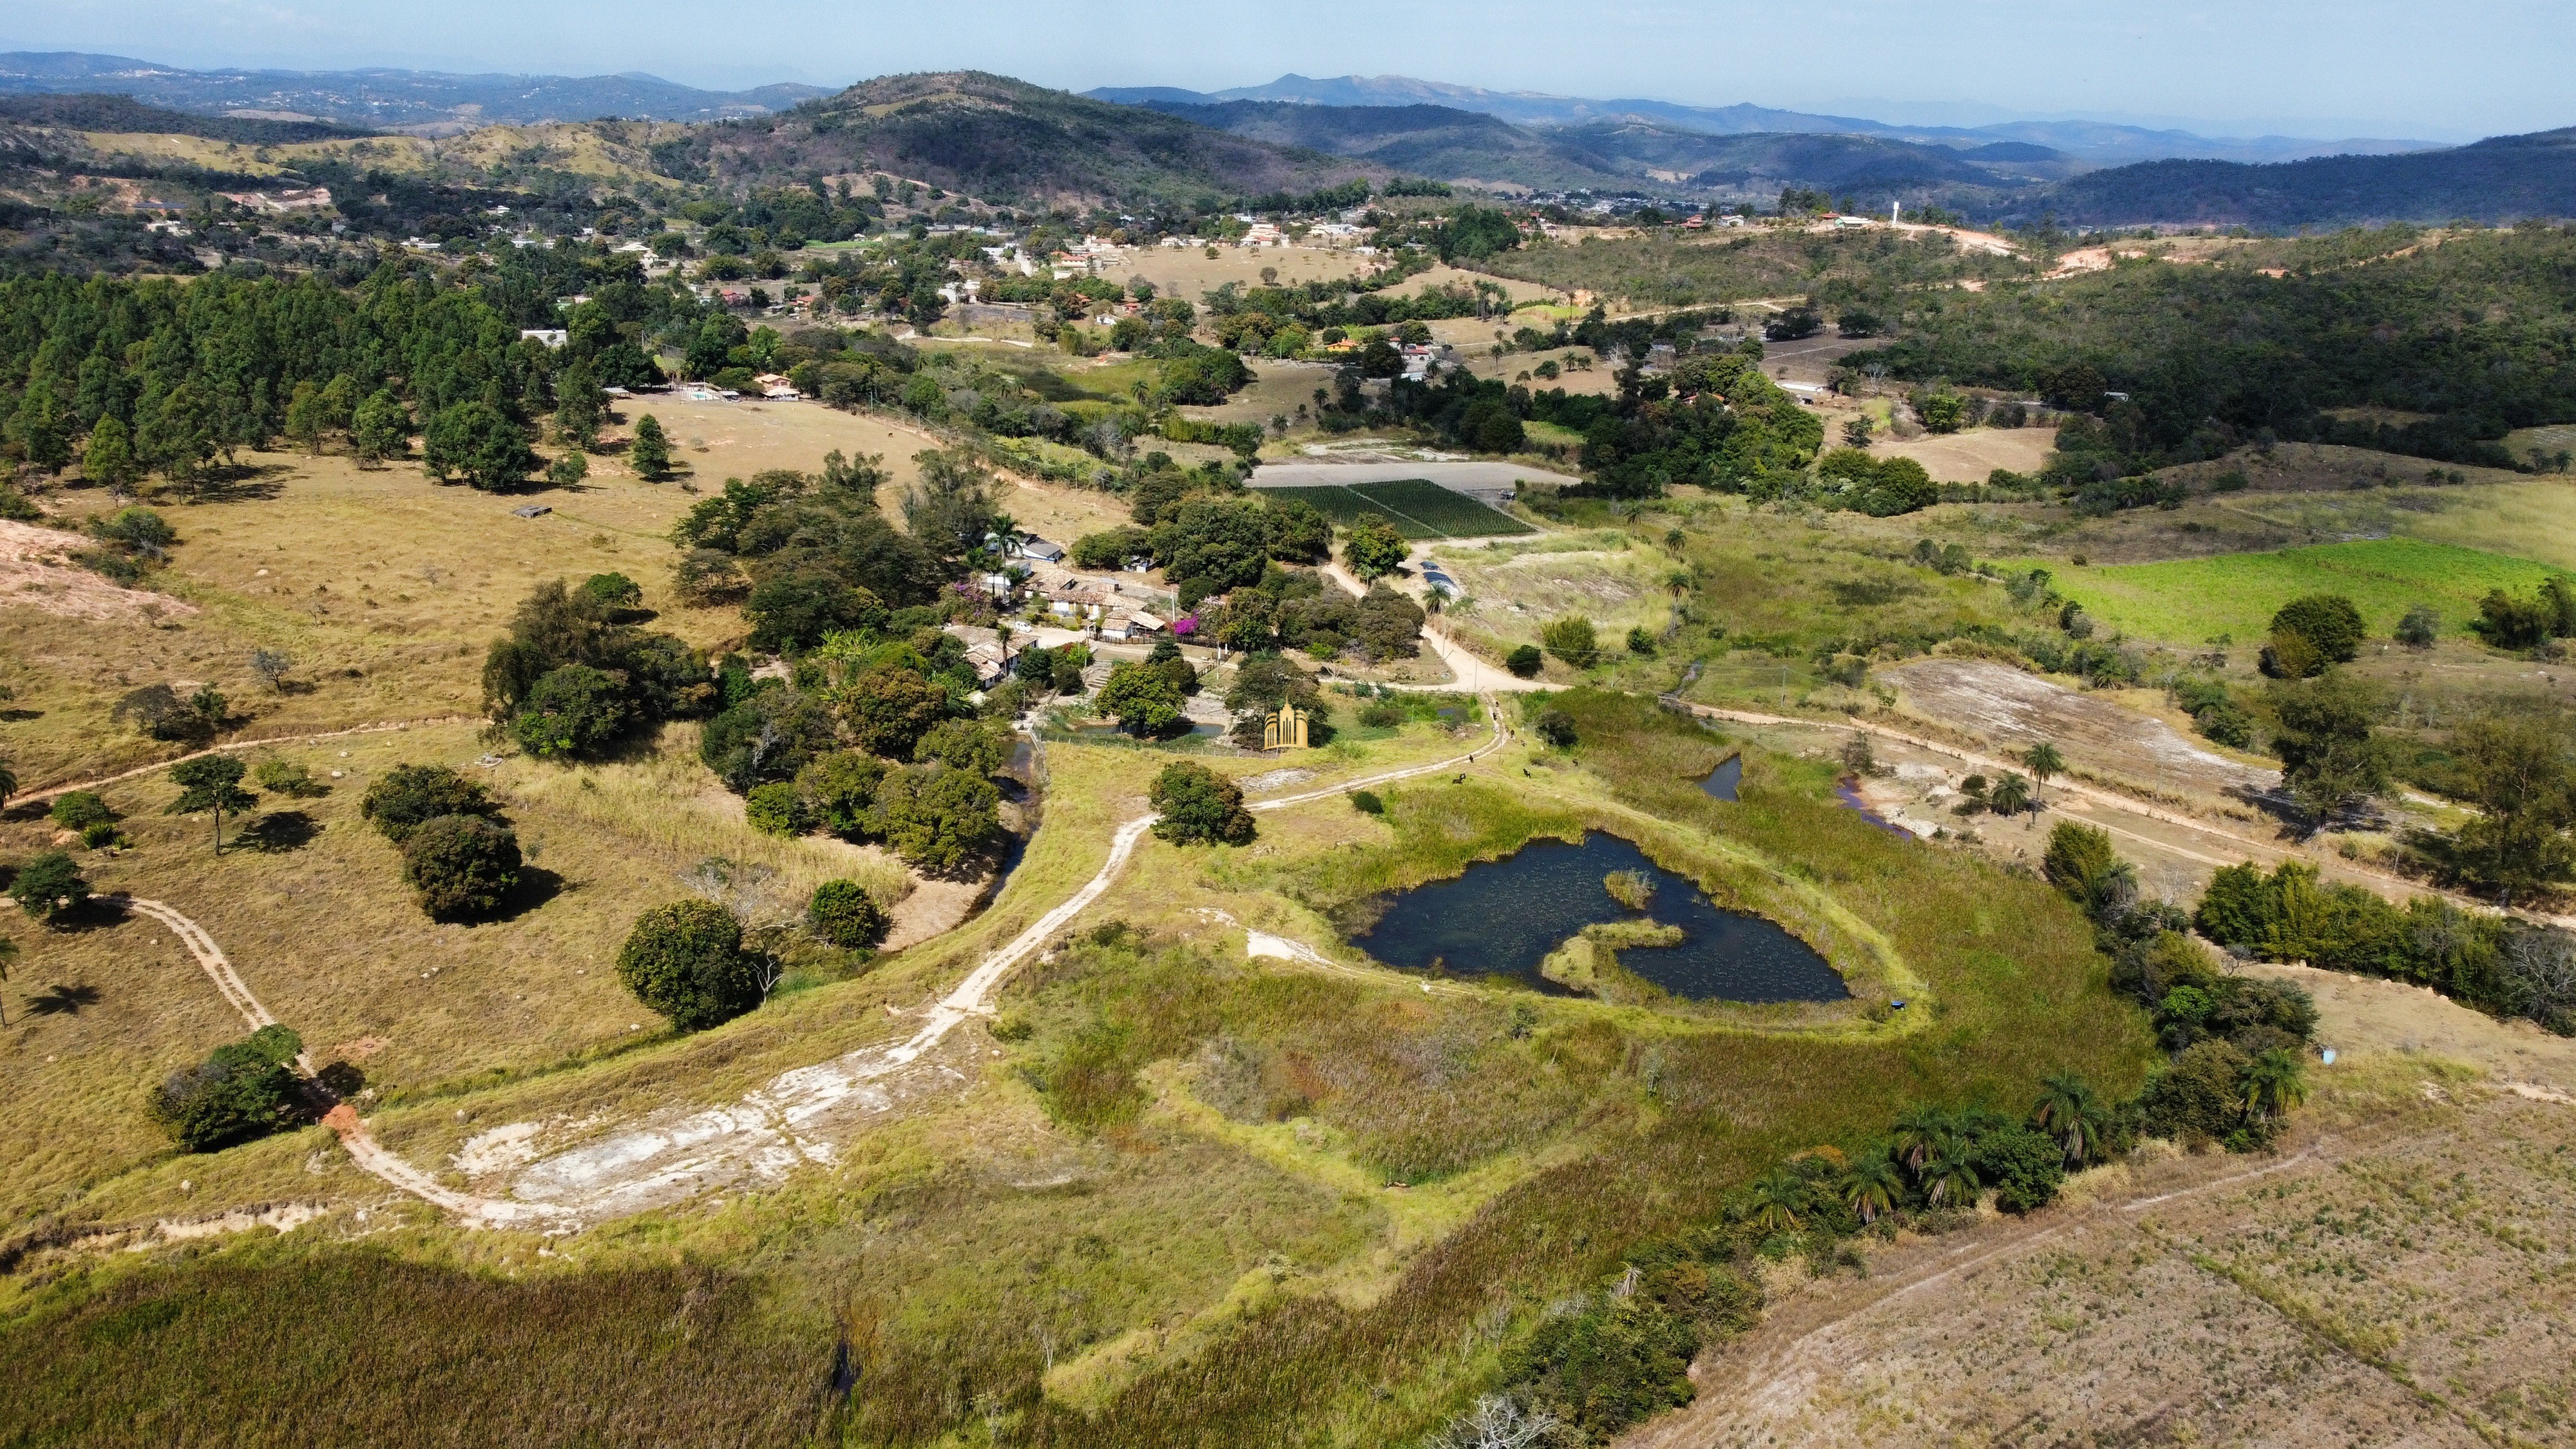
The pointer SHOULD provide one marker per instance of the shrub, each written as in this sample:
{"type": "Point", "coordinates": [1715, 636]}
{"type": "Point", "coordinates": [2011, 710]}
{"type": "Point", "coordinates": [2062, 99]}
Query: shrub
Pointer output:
{"type": "Point", "coordinates": [2419, 628]}
{"type": "Point", "coordinates": [98, 836]}
{"type": "Point", "coordinates": [1641, 640]}
{"type": "Point", "coordinates": [460, 866]}
{"type": "Point", "coordinates": [572, 711]}
{"type": "Point", "coordinates": [1524, 661]}
{"type": "Point", "coordinates": [241, 1091]}
{"type": "Point", "coordinates": [50, 888]}
{"type": "Point", "coordinates": [407, 796]}
{"type": "Point", "coordinates": [845, 915]}
{"type": "Point", "coordinates": [1141, 698]}
{"type": "Point", "coordinates": [2328, 622]}
{"type": "Point", "coordinates": [1556, 727]}
{"type": "Point", "coordinates": [685, 962]}
{"type": "Point", "coordinates": [1381, 714]}
{"type": "Point", "coordinates": [2226, 722]}
{"type": "Point", "coordinates": [1198, 805]}
{"type": "Point", "coordinates": [840, 791]}
{"type": "Point", "coordinates": [775, 809]}
{"type": "Point", "coordinates": [1572, 640]}
{"type": "Point", "coordinates": [287, 777]}
{"type": "Point", "coordinates": [614, 591]}
{"type": "Point", "coordinates": [81, 809]}
{"type": "Point", "coordinates": [2196, 1098]}
{"type": "Point", "coordinates": [2023, 1166]}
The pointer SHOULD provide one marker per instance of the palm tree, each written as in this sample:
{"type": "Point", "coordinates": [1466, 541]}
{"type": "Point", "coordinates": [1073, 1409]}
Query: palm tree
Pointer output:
{"type": "Point", "coordinates": [2043, 760]}
{"type": "Point", "coordinates": [1777, 1197]}
{"type": "Point", "coordinates": [1947, 1178]}
{"type": "Point", "coordinates": [1872, 1186]}
{"type": "Point", "coordinates": [2009, 795]}
{"type": "Point", "coordinates": [1921, 1133]}
{"type": "Point", "coordinates": [2067, 1111]}
{"type": "Point", "coordinates": [2274, 1082]}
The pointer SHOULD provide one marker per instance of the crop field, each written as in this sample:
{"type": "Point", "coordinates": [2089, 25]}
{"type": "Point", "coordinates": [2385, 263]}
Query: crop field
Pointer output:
{"type": "Point", "coordinates": [2193, 601]}
{"type": "Point", "coordinates": [1418, 507]}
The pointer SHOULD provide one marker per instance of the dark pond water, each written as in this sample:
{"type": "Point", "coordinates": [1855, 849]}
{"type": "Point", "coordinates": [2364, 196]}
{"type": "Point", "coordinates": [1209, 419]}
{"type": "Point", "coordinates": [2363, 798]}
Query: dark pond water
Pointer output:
{"type": "Point", "coordinates": [1849, 794]}
{"type": "Point", "coordinates": [1502, 917]}
{"type": "Point", "coordinates": [1721, 782]}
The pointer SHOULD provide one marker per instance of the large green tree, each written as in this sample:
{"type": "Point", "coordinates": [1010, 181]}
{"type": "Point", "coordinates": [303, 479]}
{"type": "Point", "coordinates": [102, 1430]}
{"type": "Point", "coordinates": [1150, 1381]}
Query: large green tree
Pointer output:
{"type": "Point", "coordinates": [211, 784]}
{"type": "Point", "coordinates": [2523, 782]}
{"type": "Point", "coordinates": [685, 961]}
{"type": "Point", "coordinates": [478, 443]}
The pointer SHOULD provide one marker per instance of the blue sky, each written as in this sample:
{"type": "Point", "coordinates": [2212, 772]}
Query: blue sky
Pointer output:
{"type": "Point", "coordinates": [2314, 67]}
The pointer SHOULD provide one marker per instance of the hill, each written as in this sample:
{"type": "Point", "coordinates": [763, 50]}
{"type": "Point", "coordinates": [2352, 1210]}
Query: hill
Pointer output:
{"type": "Point", "coordinates": [1424, 140]}
{"type": "Point", "coordinates": [123, 115]}
{"type": "Point", "coordinates": [2100, 143]}
{"type": "Point", "coordinates": [1006, 141]}
{"type": "Point", "coordinates": [387, 98]}
{"type": "Point", "coordinates": [2503, 178]}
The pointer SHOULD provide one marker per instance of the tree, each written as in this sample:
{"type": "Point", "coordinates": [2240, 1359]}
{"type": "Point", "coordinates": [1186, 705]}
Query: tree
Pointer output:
{"type": "Point", "coordinates": [568, 470]}
{"type": "Point", "coordinates": [650, 452]}
{"type": "Point", "coordinates": [2010, 795]}
{"type": "Point", "coordinates": [241, 1091]}
{"type": "Point", "coordinates": [775, 809]}
{"type": "Point", "coordinates": [177, 436]}
{"type": "Point", "coordinates": [211, 783]}
{"type": "Point", "coordinates": [2521, 779]}
{"type": "Point", "coordinates": [845, 915]}
{"type": "Point", "coordinates": [1948, 1179]}
{"type": "Point", "coordinates": [579, 406]}
{"type": "Point", "coordinates": [79, 810]}
{"type": "Point", "coordinates": [305, 421]}
{"type": "Point", "coordinates": [477, 442]}
{"type": "Point", "coordinates": [1555, 727]}
{"type": "Point", "coordinates": [1944, 411]}
{"type": "Point", "coordinates": [839, 791]}
{"type": "Point", "coordinates": [1572, 640]}
{"type": "Point", "coordinates": [1524, 661]}
{"type": "Point", "coordinates": [2273, 1083]}
{"type": "Point", "coordinates": [889, 708]}
{"type": "Point", "coordinates": [271, 665]}
{"type": "Point", "coordinates": [2329, 622]}
{"type": "Point", "coordinates": [2068, 1111]}
{"type": "Point", "coordinates": [572, 711]}
{"type": "Point", "coordinates": [1373, 549]}
{"type": "Point", "coordinates": [2419, 628]}
{"type": "Point", "coordinates": [407, 796]}
{"type": "Point", "coordinates": [937, 818]}
{"type": "Point", "coordinates": [2081, 864]}
{"type": "Point", "coordinates": [1198, 806]}
{"type": "Point", "coordinates": [382, 429]}
{"type": "Point", "coordinates": [1144, 700]}
{"type": "Point", "coordinates": [2043, 760]}
{"type": "Point", "coordinates": [460, 866]}
{"type": "Point", "coordinates": [49, 888]}
{"type": "Point", "coordinates": [685, 961]}
{"type": "Point", "coordinates": [2024, 1167]}
{"type": "Point", "coordinates": [1872, 1188]}
{"type": "Point", "coordinates": [2321, 732]}
{"type": "Point", "coordinates": [109, 459]}
{"type": "Point", "coordinates": [613, 591]}
{"type": "Point", "coordinates": [976, 746]}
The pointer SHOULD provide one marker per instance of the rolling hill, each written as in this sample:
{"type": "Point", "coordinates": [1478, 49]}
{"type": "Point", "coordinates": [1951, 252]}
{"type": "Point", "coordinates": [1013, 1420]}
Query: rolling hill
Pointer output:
{"type": "Point", "coordinates": [408, 99]}
{"type": "Point", "coordinates": [1005, 141]}
{"type": "Point", "coordinates": [2503, 178]}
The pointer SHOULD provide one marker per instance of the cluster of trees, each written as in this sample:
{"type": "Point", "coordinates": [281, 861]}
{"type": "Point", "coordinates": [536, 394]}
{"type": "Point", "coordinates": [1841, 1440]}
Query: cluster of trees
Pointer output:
{"type": "Point", "coordinates": [1196, 806]}
{"type": "Point", "coordinates": [2520, 622]}
{"type": "Point", "coordinates": [569, 680]}
{"type": "Point", "coordinates": [2494, 963]}
{"type": "Point", "coordinates": [153, 376]}
{"type": "Point", "coordinates": [2239, 1044]}
{"type": "Point", "coordinates": [2211, 358]}
{"type": "Point", "coordinates": [1146, 699]}
{"type": "Point", "coordinates": [1206, 532]}
{"type": "Point", "coordinates": [1879, 487]}
{"type": "Point", "coordinates": [810, 554]}
{"type": "Point", "coordinates": [1289, 608]}
{"type": "Point", "coordinates": [459, 856]}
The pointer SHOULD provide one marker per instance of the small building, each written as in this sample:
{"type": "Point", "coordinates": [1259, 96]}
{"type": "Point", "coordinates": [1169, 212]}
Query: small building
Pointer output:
{"type": "Point", "coordinates": [986, 660]}
{"type": "Point", "coordinates": [1144, 623]}
{"type": "Point", "coordinates": [1041, 550]}
{"type": "Point", "coordinates": [550, 336]}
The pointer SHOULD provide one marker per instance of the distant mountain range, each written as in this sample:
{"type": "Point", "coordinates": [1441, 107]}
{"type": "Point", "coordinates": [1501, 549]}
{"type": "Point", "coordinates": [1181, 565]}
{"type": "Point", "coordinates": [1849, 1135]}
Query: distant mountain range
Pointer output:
{"type": "Point", "coordinates": [2099, 143]}
{"type": "Point", "coordinates": [388, 99]}
{"type": "Point", "coordinates": [2502, 178]}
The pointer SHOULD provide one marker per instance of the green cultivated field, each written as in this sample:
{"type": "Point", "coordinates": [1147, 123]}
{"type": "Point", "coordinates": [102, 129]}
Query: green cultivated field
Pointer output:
{"type": "Point", "coordinates": [2191, 601]}
{"type": "Point", "coordinates": [1418, 507]}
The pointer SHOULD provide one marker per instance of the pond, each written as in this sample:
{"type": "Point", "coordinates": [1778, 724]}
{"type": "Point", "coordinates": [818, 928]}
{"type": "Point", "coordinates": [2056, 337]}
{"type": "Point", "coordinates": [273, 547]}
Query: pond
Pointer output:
{"type": "Point", "coordinates": [1849, 794]}
{"type": "Point", "coordinates": [1721, 782]}
{"type": "Point", "coordinates": [1503, 917]}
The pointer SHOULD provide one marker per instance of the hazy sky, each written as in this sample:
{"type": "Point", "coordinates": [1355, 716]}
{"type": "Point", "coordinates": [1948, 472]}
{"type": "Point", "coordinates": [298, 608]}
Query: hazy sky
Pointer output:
{"type": "Point", "coordinates": [2317, 67]}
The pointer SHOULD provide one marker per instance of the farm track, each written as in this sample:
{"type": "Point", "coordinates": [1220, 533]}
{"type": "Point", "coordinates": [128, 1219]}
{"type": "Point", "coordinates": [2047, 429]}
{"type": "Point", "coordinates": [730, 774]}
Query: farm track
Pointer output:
{"type": "Point", "coordinates": [380, 727]}
{"type": "Point", "coordinates": [664, 1160]}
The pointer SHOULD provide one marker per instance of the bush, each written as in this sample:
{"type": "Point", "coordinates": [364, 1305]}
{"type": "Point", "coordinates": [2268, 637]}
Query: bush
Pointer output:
{"type": "Point", "coordinates": [98, 836]}
{"type": "Point", "coordinates": [407, 796]}
{"type": "Point", "coordinates": [1555, 726]}
{"type": "Point", "coordinates": [1572, 640]}
{"type": "Point", "coordinates": [1144, 700]}
{"type": "Point", "coordinates": [2196, 1098]}
{"type": "Point", "coordinates": [2226, 722]}
{"type": "Point", "coordinates": [2419, 628]}
{"type": "Point", "coordinates": [460, 866]}
{"type": "Point", "coordinates": [287, 777]}
{"type": "Point", "coordinates": [845, 915]}
{"type": "Point", "coordinates": [1524, 661]}
{"type": "Point", "coordinates": [80, 809]}
{"type": "Point", "coordinates": [572, 711]}
{"type": "Point", "coordinates": [775, 809]}
{"type": "Point", "coordinates": [2328, 622]}
{"type": "Point", "coordinates": [769, 736]}
{"type": "Point", "coordinates": [2022, 1166]}
{"type": "Point", "coordinates": [685, 962]}
{"type": "Point", "coordinates": [50, 888]}
{"type": "Point", "coordinates": [614, 591]}
{"type": "Point", "coordinates": [839, 791]}
{"type": "Point", "coordinates": [1199, 806]}
{"type": "Point", "coordinates": [241, 1091]}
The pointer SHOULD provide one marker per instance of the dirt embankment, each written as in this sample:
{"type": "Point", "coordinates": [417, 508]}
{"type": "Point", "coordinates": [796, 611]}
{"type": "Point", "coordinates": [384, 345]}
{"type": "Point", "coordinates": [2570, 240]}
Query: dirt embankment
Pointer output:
{"type": "Point", "coordinates": [36, 570]}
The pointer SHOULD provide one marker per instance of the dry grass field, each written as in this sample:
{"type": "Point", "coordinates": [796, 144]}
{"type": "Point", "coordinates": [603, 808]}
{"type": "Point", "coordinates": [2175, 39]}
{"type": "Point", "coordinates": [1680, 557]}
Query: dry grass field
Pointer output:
{"type": "Point", "coordinates": [1188, 272]}
{"type": "Point", "coordinates": [1968, 457]}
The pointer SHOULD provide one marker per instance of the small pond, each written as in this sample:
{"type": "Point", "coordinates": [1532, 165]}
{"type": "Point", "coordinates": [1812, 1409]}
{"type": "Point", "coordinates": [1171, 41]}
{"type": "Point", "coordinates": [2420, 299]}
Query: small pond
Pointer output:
{"type": "Point", "coordinates": [1721, 782]}
{"type": "Point", "coordinates": [1502, 918]}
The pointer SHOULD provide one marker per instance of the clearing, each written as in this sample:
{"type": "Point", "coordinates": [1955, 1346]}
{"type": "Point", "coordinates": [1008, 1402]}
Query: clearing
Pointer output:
{"type": "Point", "coordinates": [2010, 709]}
{"type": "Point", "coordinates": [1968, 457]}
{"type": "Point", "coordinates": [2232, 597]}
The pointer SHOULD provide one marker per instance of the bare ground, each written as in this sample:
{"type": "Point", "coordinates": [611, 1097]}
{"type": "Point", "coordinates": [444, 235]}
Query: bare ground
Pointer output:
{"type": "Point", "coordinates": [36, 572]}
{"type": "Point", "coordinates": [2010, 709]}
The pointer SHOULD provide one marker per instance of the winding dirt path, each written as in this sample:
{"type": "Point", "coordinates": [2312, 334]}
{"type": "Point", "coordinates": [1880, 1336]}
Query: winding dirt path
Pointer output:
{"type": "Point", "coordinates": [380, 727]}
{"type": "Point", "coordinates": [679, 1152]}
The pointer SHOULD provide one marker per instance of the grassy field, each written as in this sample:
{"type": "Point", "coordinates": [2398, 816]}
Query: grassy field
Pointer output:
{"type": "Point", "coordinates": [1417, 507]}
{"type": "Point", "coordinates": [2197, 600]}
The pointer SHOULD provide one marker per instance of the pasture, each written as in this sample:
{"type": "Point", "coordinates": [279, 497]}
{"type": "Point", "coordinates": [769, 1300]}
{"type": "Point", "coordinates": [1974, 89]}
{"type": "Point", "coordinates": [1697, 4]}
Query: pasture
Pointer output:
{"type": "Point", "coordinates": [2197, 601]}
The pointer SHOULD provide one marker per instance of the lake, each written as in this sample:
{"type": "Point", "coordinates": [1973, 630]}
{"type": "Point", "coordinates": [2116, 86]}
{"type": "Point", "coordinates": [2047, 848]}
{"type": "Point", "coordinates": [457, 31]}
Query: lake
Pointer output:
{"type": "Point", "coordinates": [1503, 917]}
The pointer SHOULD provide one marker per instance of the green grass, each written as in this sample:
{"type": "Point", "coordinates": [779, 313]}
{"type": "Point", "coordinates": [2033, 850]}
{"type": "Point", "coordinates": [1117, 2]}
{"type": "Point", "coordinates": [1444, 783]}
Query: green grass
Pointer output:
{"type": "Point", "coordinates": [1417, 507]}
{"type": "Point", "coordinates": [2194, 601]}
